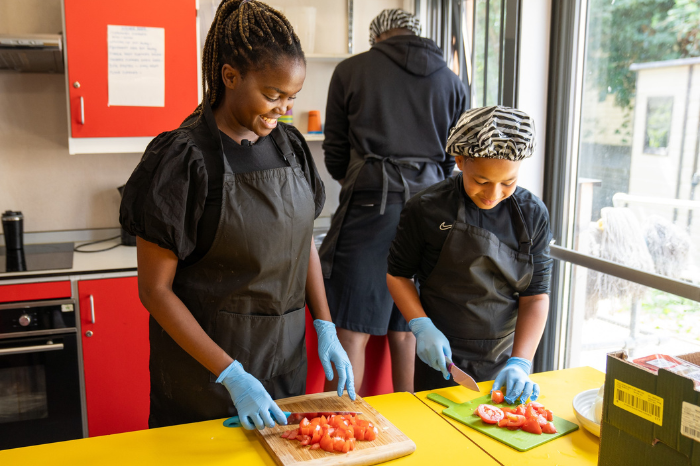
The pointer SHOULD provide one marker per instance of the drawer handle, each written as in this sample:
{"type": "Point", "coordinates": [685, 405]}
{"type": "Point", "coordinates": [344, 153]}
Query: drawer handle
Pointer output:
{"type": "Point", "coordinates": [31, 349]}
{"type": "Point", "coordinates": [92, 309]}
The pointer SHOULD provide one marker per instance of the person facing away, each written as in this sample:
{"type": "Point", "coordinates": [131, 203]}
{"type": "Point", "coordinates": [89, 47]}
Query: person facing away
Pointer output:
{"type": "Point", "coordinates": [223, 210]}
{"type": "Point", "coordinates": [478, 246]}
{"type": "Point", "coordinates": [388, 116]}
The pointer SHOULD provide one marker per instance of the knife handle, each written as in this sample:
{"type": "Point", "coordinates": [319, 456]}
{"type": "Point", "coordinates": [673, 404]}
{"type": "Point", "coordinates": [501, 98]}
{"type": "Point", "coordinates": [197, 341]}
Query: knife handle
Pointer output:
{"type": "Point", "coordinates": [235, 421]}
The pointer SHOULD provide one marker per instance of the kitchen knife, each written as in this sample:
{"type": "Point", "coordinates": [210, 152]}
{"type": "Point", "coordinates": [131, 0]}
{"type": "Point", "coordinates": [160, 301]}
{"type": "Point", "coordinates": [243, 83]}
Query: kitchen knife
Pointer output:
{"type": "Point", "coordinates": [462, 378]}
{"type": "Point", "coordinates": [294, 418]}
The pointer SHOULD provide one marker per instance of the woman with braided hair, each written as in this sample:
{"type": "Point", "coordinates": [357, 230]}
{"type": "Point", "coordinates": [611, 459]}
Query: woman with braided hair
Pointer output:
{"type": "Point", "coordinates": [223, 210]}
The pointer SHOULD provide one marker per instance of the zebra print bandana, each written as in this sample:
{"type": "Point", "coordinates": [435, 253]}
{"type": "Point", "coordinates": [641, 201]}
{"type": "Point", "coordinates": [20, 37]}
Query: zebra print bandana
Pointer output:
{"type": "Point", "coordinates": [493, 132]}
{"type": "Point", "coordinates": [392, 19]}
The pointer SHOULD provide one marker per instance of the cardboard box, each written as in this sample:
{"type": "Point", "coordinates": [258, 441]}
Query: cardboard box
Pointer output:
{"type": "Point", "coordinates": [649, 419]}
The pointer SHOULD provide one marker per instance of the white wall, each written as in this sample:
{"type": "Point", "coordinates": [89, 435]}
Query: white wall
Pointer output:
{"type": "Point", "coordinates": [532, 91]}
{"type": "Point", "coordinates": [58, 191]}
{"type": "Point", "coordinates": [54, 190]}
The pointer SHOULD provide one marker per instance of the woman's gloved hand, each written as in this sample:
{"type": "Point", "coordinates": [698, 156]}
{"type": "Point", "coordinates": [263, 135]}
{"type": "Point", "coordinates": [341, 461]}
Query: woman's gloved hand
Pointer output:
{"type": "Point", "coordinates": [432, 346]}
{"type": "Point", "coordinates": [330, 350]}
{"type": "Point", "coordinates": [515, 377]}
{"type": "Point", "coordinates": [255, 406]}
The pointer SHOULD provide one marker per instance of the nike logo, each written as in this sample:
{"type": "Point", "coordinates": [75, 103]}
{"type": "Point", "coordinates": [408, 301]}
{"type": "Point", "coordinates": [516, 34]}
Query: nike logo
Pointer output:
{"type": "Point", "coordinates": [445, 227]}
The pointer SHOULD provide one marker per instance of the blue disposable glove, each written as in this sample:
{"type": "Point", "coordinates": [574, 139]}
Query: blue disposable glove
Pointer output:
{"type": "Point", "coordinates": [255, 406]}
{"type": "Point", "coordinates": [330, 350]}
{"type": "Point", "coordinates": [515, 378]}
{"type": "Point", "coordinates": [432, 346]}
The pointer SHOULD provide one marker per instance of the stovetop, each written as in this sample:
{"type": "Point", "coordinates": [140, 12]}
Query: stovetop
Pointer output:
{"type": "Point", "coordinates": [37, 257]}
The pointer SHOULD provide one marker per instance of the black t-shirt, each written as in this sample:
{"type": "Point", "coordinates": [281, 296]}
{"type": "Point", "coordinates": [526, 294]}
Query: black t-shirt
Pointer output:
{"type": "Point", "coordinates": [173, 197]}
{"type": "Point", "coordinates": [419, 237]}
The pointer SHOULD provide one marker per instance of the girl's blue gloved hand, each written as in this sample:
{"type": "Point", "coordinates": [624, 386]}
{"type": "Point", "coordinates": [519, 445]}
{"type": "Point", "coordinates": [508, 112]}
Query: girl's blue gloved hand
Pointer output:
{"type": "Point", "coordinates": [515, 377]}
{"type": "Point", "coordinates": [432, 346]}
{"type": "Point", "coordinates": [255, 406]}
{"type": "Point", "coordinates": [330, 350]}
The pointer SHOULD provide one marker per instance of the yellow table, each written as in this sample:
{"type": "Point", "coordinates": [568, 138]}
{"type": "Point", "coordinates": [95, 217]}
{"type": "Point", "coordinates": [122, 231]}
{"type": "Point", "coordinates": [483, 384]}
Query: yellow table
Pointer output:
{"type": "Point", "coordinates": [557, 389]}
{"type": "Point", "coordinates": [209, 443]}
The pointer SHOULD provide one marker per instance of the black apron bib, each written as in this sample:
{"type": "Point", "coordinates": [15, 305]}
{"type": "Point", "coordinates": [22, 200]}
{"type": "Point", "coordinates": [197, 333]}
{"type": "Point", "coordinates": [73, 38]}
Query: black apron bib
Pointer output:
{"type": "Point", "coordinates": [247, 292]}
{"type": "Point", "coordinates": [472, 297]}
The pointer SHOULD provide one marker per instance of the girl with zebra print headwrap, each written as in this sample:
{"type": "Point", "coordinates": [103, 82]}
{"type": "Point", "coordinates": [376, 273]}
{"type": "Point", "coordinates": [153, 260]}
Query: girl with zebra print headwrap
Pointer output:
{"type": "Point", "coordinates": [392, 19]}
{"type": "Point", "coordinates": [478, 246]}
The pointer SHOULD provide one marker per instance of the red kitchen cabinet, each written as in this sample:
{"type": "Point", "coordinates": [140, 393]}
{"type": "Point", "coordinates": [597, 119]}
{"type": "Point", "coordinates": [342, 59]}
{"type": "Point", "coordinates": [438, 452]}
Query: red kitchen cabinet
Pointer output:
{"type": "Point", "coordinates": [114, 326]}
{"type": "Point", "coordinates": [35, 291]}
{"type": "Point", "coordinates": [96, 122]}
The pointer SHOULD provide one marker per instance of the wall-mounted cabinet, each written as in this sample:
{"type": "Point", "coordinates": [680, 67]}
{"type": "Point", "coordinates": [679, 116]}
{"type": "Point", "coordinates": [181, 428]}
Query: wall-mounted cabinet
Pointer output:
{"type": "Point", "coordinates": [131, 71]}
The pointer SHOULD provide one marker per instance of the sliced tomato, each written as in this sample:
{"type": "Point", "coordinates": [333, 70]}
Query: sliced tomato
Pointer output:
{"type": "Point", "coordinates": [549, 415]}
{"type": "Point", "coordinates": [346, 447]}
{"type": "Point", "coordinates": [530, 412]}
{"type": "Point", "coordinates": [532, 426]}
{"type": "Point", "coordinates": [338, 443]}
{"type": "Point", "coordinates": [490, 414]}
{"type": "Point", "coordinates": [536, 405]}
{"type": "Point", "coordinates": [315, 446]}
{"type": "Point", "coordinates": [503, 422]}
{"type": "Point", "coordinates": [352, 444]}
{"type": "Point", "coordinates": [293, 434]}
{"type": "Point", "coordinates": [520, 410]}
{"type": "Point", "coordinates": [506, 409]}
{"type": "Point", "coordinates": [371, 434]}
{"type": "Point", "coordinates": [513, 427]}
{"type": "Point", "coordinates": [515, 420]}
{"type": "Point", "coordinates": [360, 432]}
{"type": "Point", "coordinates": [541, 420]}
{"type": "Point", "coordinates": [497, 396]}
{"type": "Point", "coordinates": [549, 428]}
{"type": "Point", "coordinates": [326, 443]}
{"type": "Point", "coordinates": [306, 440]}
{"type": "Point", "coordinates": [324, 421]}
{"type": "Point", "coordinates": [317, 434]}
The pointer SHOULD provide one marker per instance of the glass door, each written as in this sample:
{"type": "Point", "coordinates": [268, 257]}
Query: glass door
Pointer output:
{"type": "Point", "coordinates": [633, 184]}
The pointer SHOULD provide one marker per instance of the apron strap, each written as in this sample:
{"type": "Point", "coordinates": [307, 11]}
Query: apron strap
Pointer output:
{"type": "Point", "coordinates": [281, 142]}
{"type": "Point", "coordinates": [398, 163]}
{"type": "Point", "coordinates": [524, 239]}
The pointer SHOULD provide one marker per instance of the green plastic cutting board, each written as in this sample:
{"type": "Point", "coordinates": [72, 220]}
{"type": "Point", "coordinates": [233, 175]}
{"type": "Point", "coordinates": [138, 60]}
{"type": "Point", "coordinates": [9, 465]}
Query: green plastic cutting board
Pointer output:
{"type": "Point", "coordinates": [518, 439]}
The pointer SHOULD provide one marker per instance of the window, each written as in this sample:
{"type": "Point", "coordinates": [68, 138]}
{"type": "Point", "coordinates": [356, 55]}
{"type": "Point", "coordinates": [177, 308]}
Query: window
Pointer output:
{"type": "Point", "coordinates": [626, 222]}
{"type": "Point", "coordinates": [658, 125]}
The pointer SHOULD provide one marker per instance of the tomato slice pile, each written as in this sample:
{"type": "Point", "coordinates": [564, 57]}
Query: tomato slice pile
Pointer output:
{"type": "Point", "coordinates": [532, 417]}
{"type": "Point", "coordinates": [333, 434]}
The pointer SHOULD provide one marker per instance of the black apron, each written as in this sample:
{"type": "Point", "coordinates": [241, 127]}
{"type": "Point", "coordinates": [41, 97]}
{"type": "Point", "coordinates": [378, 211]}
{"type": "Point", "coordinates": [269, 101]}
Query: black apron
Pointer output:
{"type": "Point", "coordinates": [472, 297]}
{"type": "Point", "coordinates": [357, 161]}
{"type": "Point", "coordinates": [247, 292]}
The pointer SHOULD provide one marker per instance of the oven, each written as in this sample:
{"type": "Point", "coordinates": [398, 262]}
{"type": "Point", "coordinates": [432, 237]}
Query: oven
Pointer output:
{"type": "Point", "coordinates": [40, 389]}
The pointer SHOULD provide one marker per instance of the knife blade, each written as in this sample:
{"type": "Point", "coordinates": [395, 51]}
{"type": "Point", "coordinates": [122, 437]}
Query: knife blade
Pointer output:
{"type": "Point", "coordinates": [295, 418]}
{"type": "Point", "coordinates": [463, 378]}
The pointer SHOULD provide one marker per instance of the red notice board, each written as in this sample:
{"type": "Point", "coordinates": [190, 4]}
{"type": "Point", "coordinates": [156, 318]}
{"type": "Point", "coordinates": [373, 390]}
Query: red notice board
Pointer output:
{"type": "Point", "coordinates": [85, 32]}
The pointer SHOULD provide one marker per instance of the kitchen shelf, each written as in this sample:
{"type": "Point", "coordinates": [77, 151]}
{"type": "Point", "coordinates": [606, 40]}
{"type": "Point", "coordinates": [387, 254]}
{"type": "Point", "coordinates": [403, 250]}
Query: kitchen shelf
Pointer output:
{"type": "Point", "coordinates": [318, 57]}
{"type": "Point", "coordinates": [313, 137]}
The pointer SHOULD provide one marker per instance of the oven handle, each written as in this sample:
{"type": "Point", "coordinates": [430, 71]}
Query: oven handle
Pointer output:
{"type": "Point", "coordinates": [31, 349]}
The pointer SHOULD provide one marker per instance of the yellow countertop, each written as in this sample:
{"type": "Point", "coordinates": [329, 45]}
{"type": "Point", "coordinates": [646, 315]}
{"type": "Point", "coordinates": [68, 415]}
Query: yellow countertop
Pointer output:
{"type": "Point", "coordinates": [209, 443]}
{"type": "Point", "coordinates": [557, 391]}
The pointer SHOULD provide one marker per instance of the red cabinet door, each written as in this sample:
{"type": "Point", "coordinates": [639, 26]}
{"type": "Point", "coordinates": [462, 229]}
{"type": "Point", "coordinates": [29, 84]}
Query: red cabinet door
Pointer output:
{"type": "Point", "coordinates": [115, 355]}
{"type": "Point", "coordinates": [86, 35]}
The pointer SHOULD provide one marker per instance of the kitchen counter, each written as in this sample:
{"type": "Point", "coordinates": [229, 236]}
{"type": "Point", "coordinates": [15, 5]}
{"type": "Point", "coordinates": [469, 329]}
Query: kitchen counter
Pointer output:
{"type": "Point", "coordinates": [557, 389]}
{"type": "Point", "coordinates": [209, 443]}
{"type": "Point", "coordinates": [120, 259]}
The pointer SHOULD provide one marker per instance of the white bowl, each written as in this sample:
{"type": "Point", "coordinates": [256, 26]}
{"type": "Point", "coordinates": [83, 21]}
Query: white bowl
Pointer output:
{"type": "Point", "coordinates": [582, 408]}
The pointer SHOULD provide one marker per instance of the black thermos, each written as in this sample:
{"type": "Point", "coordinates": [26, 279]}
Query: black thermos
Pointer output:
{"type": "Point", "coordinates": [13, 229]}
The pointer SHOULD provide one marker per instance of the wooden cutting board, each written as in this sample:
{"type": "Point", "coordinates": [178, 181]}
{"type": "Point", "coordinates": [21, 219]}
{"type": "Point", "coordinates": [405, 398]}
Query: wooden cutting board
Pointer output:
{"type": "Point", "coordinates": [518, 439]}
{"type": "Point", "coordinates": [390, 442]}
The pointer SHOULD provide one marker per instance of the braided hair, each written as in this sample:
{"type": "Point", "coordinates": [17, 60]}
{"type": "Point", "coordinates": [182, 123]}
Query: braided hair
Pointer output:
{"type": "Point", "coordinates": [247, 35]}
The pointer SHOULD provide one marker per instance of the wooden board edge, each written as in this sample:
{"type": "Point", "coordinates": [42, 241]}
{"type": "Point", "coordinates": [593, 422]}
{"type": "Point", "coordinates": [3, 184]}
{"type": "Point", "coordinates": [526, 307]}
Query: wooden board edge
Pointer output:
{"type": "Point", "coordinates": [361, 457]}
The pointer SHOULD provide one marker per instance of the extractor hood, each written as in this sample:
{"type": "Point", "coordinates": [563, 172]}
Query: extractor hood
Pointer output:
{"type": "Point", "coordinates": [31, 53]}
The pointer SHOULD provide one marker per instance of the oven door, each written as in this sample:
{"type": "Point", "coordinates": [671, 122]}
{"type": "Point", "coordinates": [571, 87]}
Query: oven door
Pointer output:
{"type": "Point", "coordinates": [39, 390]}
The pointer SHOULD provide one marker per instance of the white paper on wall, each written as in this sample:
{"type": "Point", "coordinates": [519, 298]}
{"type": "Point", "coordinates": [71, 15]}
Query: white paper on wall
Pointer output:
{"type": "Point", "coordinates": [136, 66]}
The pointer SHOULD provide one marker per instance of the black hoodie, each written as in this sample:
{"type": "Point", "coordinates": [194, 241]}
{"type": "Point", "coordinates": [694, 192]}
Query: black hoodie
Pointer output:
{"type": "Point", "coordinates": [398, 100]}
